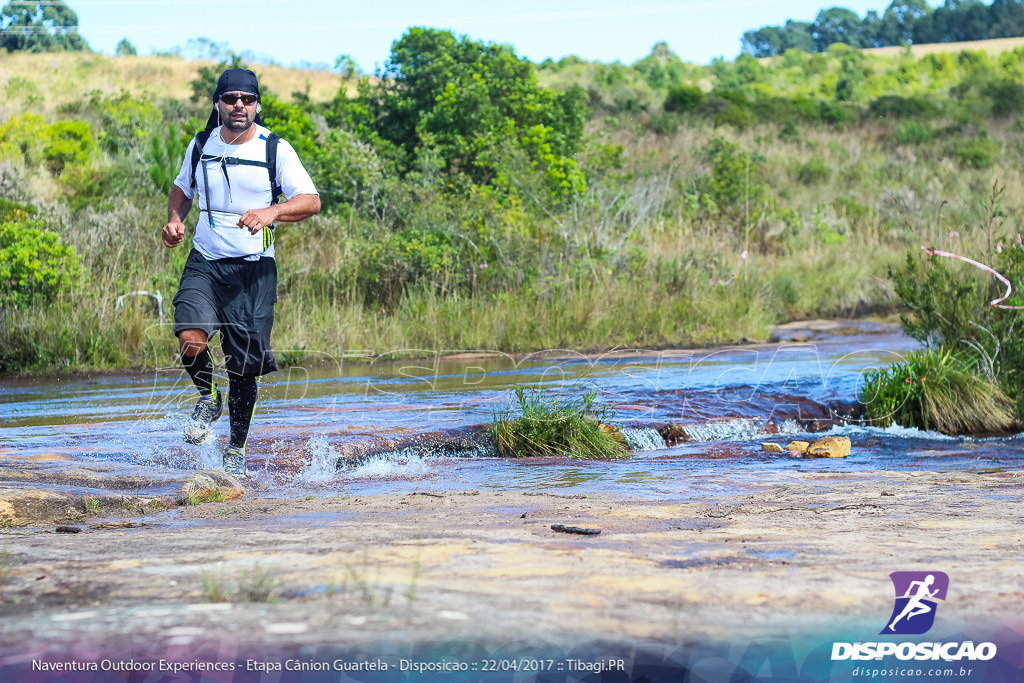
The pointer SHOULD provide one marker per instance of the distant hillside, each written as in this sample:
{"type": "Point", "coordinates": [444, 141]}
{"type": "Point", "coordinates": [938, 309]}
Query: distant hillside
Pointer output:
{"type": "Point", "coordinates": [50, 79]}
{"type": "Point", "coordinates": [994, 46]}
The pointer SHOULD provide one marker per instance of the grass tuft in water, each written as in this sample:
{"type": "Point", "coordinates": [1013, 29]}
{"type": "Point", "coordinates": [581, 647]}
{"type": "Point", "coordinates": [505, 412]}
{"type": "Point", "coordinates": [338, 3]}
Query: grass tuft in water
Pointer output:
{"type": "Point", "coordinates": [935, 390]}
{"type": "Point", "coordinates": [551, 426]}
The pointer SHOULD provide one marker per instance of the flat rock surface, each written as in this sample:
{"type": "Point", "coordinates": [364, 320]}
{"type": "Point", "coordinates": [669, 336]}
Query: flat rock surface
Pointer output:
{"type": "Point", "coordinates": [42, 489]}
{"type": "Point", "coordinates": [806, 554]}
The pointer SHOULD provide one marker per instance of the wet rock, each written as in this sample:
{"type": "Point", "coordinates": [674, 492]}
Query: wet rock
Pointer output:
{"type": "Point", "coordinates": [462, 442]}
{"type": "Point", "coordinates": [582, 531]}
{"type": "Point", "coordinates": [34, 492]}
{"type": "Point", "coordinates": [797, 447]}
{"type": "Point", "coordinates": [208, 487]}
{"type": "Point", "coordinates": [830, 447]}
{"type": "Point", "coordinates": [124, 524]}
{"type": "Point", "coordinates": [614, 432]}
{"type": "Point", "coordinates": [673, 434]}
{"type": "Point", "coordinates": [772, 448]}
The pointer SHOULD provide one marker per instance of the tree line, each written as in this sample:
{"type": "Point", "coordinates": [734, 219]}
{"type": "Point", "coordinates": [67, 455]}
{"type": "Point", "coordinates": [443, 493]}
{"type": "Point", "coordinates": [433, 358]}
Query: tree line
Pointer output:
{"type": "Point", "coordinates": [904, 22]}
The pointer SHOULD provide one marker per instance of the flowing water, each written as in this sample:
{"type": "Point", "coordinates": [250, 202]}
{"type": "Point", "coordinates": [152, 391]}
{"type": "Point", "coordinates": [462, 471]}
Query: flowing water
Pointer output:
{"type": "Point", "coordinates": [415, 425]}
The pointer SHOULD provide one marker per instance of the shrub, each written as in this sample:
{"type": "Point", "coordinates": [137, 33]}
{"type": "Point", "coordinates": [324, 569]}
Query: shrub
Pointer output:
{"type": "Point", "coordinates": [15, 211]}
{"type": "Point", "coordinates": [737, 177]}
{"type": "Point", "coordinates": [835, 114]}
{"type": "Point", "coordinates": [549, 426]}
{"type": "Point", "coordinates": [684, 98]}
{"type": "Point", "coordinates": [1007, 98]}
{"type": "Point", "coordinates": [22, 138]}
{"type": "Point", "coordinates": [980, 153]}
{"type": "Point", "coordinates": [935, 390]}
{"type": "Point", "coordinates": [663, 124]}
{"type": "Point", "coordinates": [404, 257]}
{"type": "Point", "coordinates": [914, 133]}
{"type": "Point", "coordinates": [789, 131]}
{"type": "Point", "coordinates": [895, 106]}
{"type": "Point", "coordinates": [68, 142]}
{"type": "Point", "coordinates": [784, 109]}
{"type": "Point", "coordinates": [736, 115]}
{"type": "Point", "coordinates": [815, 171]}
{"type": "Point", "coordinates": [947, 305]}
{"type": "Point", "coordinates": [34, 263]}
{"type": "Point", "coordinates": [856, 214]}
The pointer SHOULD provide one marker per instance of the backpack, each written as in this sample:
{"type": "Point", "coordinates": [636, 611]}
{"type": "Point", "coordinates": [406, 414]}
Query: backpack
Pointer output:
{"type": "Point", "coordinates": [270, 164]}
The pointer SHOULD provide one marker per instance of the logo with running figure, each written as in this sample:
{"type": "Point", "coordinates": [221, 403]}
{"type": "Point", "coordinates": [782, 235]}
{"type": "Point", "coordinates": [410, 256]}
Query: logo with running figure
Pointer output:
{"type": "Point", "coordinates": [916, 596]}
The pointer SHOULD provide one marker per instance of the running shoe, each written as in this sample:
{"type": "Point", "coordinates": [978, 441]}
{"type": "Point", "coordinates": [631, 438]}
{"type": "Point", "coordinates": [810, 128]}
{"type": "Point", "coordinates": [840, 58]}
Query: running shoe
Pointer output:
{"type": "Point", "coordinates": [204, 414]}
{"type": "Point", "coordinates": [234, 461]}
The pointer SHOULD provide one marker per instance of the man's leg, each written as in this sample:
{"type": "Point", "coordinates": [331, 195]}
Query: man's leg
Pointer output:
{"type": "Point", "coordinates": [242, 392]}
{"type": "Point", "coordinates": [245, 338]}
{"type": "Point", "coordinates": [195, 321]}
{"type": "Point", "coordinates": [195, 357]}
{"type": "Point", "coordinates": [241, 405]}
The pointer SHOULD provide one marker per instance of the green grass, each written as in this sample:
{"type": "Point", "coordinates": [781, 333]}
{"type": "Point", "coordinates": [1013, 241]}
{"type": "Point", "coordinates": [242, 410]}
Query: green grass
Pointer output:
{"type": "Point", "coordinates": [214, 587]}
{"type": "Point", "coordinates": [194, 496]}
{"type": "Point", "coordinates": [254, 585]}
{"type": "Point", "coordinates": [632, 262]}
{"type": "Point", "coordinates": [356, 584]}
{"type": "Point", "coordinates": [934, 390]}
{"type": "Point", "coordinates": [258, 585]}
{"type": "Point", "coordinates": [551, 426]}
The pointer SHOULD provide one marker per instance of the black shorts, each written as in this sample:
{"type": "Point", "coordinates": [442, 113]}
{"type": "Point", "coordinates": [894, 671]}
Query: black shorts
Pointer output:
{"type": "Point", "coordinates": [236, 298]}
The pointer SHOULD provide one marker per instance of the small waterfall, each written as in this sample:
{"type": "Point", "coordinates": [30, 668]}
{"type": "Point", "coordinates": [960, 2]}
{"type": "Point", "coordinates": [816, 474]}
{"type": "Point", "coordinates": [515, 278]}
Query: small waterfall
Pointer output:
{"type": "Point", "coordinates": [738, 430]}
{"type": "Point", "coordinates": [643, 438]}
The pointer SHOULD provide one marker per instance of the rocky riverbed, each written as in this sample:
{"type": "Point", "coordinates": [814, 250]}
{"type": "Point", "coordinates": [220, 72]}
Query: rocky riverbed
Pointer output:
{"type": "Point", "coordinates": [801, 555]}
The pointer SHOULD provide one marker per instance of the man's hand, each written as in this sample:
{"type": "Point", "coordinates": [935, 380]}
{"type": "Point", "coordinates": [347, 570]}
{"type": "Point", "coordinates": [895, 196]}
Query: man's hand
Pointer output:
{"type": "Point", "coordinates": [173, 234]}
{"type": "Point", "coordinates": [255, 220]}
{"type": "Point", "coordinates": [178, 206]}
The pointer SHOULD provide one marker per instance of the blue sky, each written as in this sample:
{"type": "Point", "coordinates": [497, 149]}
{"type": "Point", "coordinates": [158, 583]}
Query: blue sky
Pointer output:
{"type": "Point", "coordinates": [318, 31]}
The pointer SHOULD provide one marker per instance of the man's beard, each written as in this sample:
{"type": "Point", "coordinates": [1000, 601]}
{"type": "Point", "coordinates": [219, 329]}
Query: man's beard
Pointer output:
{"type": "Point", "coordinates": [237, 126]}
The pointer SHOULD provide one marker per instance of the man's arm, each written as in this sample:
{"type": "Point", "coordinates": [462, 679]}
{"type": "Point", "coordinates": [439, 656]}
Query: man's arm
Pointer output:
{"type": "Point", "coordinates": [299, 207]}
{"type": "Point", "coordinates": [178, 206]}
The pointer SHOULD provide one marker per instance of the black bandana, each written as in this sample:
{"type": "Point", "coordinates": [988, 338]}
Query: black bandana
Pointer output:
{"type": "Point", "coordinates": [238, 80]}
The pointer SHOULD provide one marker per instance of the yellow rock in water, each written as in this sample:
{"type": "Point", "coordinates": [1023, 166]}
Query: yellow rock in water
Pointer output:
{"type": "Point", "coordinates": [830, 447]}
{"type": "Point", "coordinates": [614, 432]}
{"type": "Point", "coordinates": [772, 448]}
{"type": "Point", "coordinates": [798, 446]}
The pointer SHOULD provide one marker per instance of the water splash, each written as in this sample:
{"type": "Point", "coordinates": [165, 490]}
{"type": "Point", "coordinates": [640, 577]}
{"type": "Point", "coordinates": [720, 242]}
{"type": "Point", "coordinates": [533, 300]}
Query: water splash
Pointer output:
{"type": "Point", "coordinates": [643, 439]}
{"type": "Point", "coordinates": [405, 463]}
{"type": "Point", "coordinates": [324, 463]}
{"type": "Point", "coordinates": [892, 430]}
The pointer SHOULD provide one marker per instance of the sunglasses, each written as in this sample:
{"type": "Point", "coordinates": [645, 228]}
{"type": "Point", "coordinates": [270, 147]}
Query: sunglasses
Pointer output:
{"type": "Point", "coordinates": [247, 100]}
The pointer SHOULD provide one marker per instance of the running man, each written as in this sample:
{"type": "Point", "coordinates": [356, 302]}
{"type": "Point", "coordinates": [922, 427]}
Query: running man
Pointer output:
{"type": "Point", "coordinates": [247, 179]}
{"type": "Point", "coordinates": [914, 606]}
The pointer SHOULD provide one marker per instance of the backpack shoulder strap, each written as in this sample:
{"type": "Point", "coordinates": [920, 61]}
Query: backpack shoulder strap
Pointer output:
{"type": "Point", "coordinates": [197, 151]}
{"type": "Point", "coordinates": [275, 187]}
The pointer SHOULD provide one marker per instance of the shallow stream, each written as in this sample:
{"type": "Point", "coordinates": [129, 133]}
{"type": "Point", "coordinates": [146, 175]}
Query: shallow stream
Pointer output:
{"type": "Point", "coordinates": [414, 425]}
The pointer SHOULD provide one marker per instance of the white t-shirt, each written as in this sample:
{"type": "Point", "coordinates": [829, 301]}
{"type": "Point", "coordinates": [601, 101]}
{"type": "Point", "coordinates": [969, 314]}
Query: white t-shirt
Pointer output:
{"type": "Point", "coordinates": [242, 188]}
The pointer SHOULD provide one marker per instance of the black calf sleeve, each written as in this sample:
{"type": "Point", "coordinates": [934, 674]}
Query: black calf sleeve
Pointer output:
{"type": "Point", "coordinates": [200, 368]}
{"type": "Point", "coordinates": [241, 404]}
